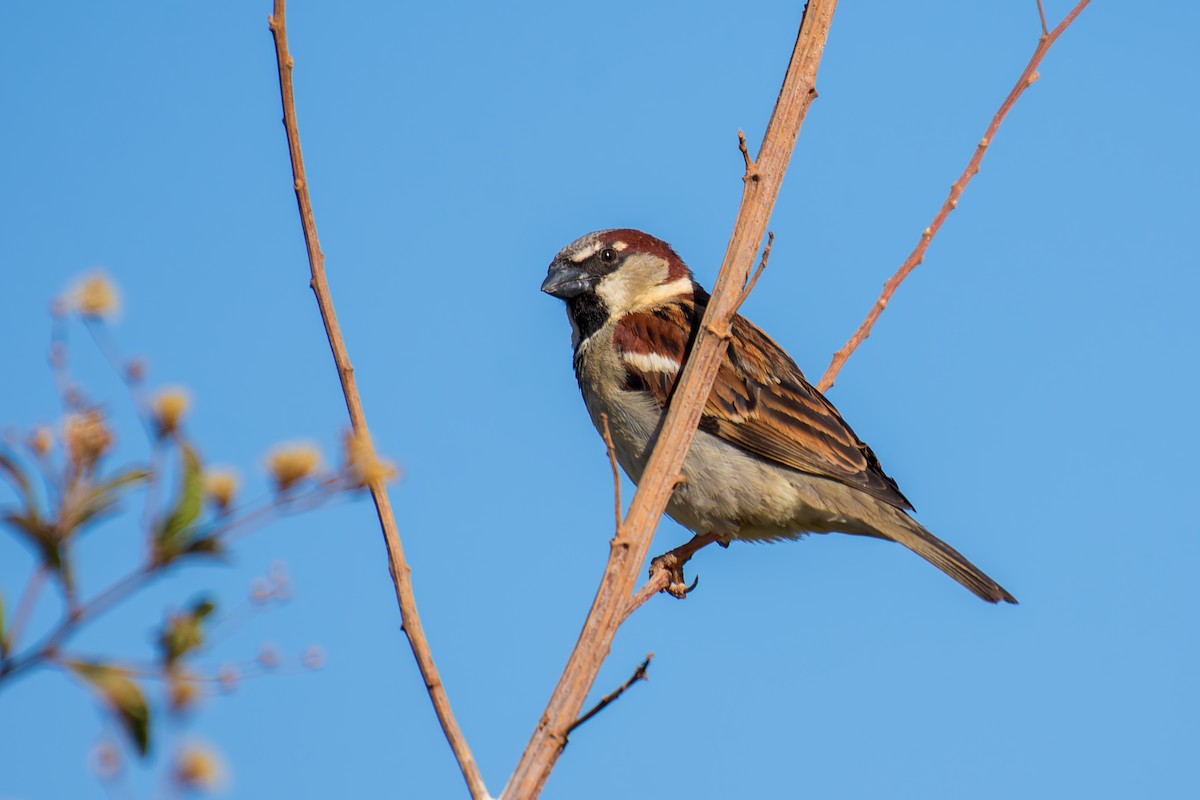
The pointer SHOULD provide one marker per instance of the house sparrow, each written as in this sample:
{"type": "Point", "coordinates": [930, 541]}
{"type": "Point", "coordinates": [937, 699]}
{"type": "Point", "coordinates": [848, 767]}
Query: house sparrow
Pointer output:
{"type": "Point", "coordinates": [772, 459]}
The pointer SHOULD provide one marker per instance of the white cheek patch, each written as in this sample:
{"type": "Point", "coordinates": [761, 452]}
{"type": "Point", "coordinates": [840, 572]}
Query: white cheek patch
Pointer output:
{"type": "Point", "coordinates": [616, 290]}
{"type": "Point", "coordinates": [651, 362]}
{"type": "Point", "coordinates": [663, 293]}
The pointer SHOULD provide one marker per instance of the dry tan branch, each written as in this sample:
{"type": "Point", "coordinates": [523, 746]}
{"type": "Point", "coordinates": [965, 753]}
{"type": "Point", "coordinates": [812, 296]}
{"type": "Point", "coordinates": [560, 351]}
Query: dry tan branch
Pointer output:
{"type": "Point", "coordinates": [400, 571]}
{"type": "Point", "coordinates": [630, 548]}
{"type": "Point", "coordinates": [616, 472]}
{"type": "Point", "coordinates": [1028, 76]}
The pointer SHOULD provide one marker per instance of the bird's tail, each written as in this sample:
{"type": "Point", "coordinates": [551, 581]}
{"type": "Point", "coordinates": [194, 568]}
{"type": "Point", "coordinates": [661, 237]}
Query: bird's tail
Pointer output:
{"type": "Point", "coordinates": [909, 533]}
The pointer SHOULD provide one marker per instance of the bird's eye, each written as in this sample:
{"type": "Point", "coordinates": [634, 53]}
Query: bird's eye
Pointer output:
{"type": "Point", "coordinates": [608, 255]}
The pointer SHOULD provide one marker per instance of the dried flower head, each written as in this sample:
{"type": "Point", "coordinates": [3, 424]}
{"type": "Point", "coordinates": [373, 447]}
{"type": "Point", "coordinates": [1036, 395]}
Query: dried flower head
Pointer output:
{"type": "Point", "coordinates": [281, 583]}
{"type": "Point", "coordinates": [313, 657]}
{"type": "Point", "coordinates": [87, 438]}
{"type": "Point", "coordinates": [228, 677]}
{"type": "Point", "coordinates": [260, 591]}
{"type": "Point", "coordinates": [220, 487]}
{"type": "Point", "coordinates": [40, 441]}
{"type": "Point", "coordinates": [96, 296]}
{"type": "Point", "coordinates": [198, 767]}
{"type": "Point", "coordinates": [363, 467]}
{"type": "Point", "coordinates": [182, 693]}
{"type": "Point", "coordinates": [268, 656]}
{"type": "Point", "coordinates": [291, 464]}
{"type": "Point", "coordinates": [135, 370]}
{"type": "Point", "coordinates": [106, 760]}
{"type": "Point", "coordinates": [169, 406]}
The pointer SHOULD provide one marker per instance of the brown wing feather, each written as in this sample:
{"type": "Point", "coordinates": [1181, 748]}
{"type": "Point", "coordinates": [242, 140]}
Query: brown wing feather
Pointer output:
{"type": "Point", "coordinates": [760, 401]}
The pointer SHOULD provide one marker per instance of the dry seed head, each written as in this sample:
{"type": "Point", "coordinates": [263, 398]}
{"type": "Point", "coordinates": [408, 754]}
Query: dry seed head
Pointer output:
{"type": "Point", "coordinates": [87, 437]}
{"type": "Point", "coordinates": [96, 296]}
{"type": "Point", "coordinates": [220, 487]}
{"type": "Point", "coordinates": [291, 464]}
{"type": "Point", "coordinates": [268, 656]}
{"type": "Point", "coordinates": [228, 677]}
{"type": "Point", "coordinates": [182, 693]}
{"type": "Point", "coordinates": [106, 760]}
{"type": "Point", "coordinates": [40, 441]}
{"type": "Point", "coordinates": [313, 657]}
{"type": "Point", "coordinates": [362, 465]}
{"type": "Point", "coordinates": [199, 767]}
{"type": "Point", "coordinates": [260, 591]}
{"type": "Point", "coordinates": [169, 406]}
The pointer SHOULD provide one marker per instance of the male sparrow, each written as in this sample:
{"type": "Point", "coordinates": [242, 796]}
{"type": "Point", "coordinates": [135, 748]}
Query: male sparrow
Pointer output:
{"type": "Point", "coordinates": [772, 459]}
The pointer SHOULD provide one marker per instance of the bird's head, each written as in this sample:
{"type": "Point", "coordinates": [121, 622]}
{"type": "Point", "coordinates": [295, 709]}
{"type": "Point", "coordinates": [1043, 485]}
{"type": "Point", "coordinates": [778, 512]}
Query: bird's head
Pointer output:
{"type": "Point", "coordinates": [608, 274]}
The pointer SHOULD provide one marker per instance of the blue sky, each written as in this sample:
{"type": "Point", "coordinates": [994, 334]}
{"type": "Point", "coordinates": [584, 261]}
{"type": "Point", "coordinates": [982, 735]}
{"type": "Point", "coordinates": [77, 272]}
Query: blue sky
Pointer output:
{"type": "Point", "coordinates": [1029, 387]}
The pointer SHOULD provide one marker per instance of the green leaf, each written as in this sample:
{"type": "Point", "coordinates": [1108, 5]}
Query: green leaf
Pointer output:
{"type": "Point", "coordinates": [122, 696]}
{"type": "Point", "coordinates": [104, 496]}
{"type": "Point", "coordinates": [182, 633]}
{"type": "Point", "coordinates": [18, 479]}
{"type": "Point", "coordinates": [43, 538]}
{"type": "Point", "coordinates": [203, 546]}
{"type": "Point", "coordinates": [172, 538]}
{"type": "Point", "coordinates": [124, 479]}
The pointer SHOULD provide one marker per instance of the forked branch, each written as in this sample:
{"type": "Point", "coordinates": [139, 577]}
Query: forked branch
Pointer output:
{"type": "Point", "coordinates": [765, 174]}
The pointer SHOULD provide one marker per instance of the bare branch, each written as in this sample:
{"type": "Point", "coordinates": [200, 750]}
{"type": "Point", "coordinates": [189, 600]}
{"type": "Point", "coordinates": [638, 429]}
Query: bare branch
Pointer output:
{"type": "Point", "coordinates": [1028, 76]}
{"type": "Point", "coordinates": [1042, 16]}
{"type": "Point", "coordinates": [24, 610]}
{"type": "Point", "coordinates": [639, 674]}
{"type": "Point", "coordinates": [762, 265]}
{"type": "Point", "coordinates": [400, 571]}
{"type": "Point", "coordinates": [612, 462]}
{"type": "Point", "coordinates": [663, 469]}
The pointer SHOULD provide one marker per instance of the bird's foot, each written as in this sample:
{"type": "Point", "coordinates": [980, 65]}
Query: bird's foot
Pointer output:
{"type": "Point", "coordinates": [670, 565]}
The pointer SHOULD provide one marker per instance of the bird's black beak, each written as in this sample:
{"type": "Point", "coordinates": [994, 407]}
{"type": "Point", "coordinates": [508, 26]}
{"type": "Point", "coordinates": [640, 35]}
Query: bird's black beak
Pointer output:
{"type": "Point", "coordinates": [567, 280]}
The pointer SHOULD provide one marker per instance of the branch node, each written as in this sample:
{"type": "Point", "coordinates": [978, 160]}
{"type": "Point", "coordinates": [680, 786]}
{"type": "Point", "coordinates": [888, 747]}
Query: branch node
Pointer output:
{"type": "Point", "coordinates": [762, 265]}
{"type": "Point", "coordinates": [723, 333]}
{"type": "Point", "coordinates": [1033, 76]}
{"type": "Point", "coordinates": [752, 173]}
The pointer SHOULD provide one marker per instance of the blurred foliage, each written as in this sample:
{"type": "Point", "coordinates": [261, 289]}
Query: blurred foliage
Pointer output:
{"type": "Point", "coordinates": [62, 484]}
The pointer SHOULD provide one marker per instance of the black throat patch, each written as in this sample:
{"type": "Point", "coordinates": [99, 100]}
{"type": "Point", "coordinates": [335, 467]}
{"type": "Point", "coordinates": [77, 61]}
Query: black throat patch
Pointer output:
{"type": "Point", "coordinates": [588, 314]}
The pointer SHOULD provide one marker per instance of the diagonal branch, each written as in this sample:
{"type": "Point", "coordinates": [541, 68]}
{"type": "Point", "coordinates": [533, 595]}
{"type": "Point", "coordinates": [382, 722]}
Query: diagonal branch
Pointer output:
{"type": "Point", "coordinates": [400, 571]}
{"type": "Point", "coordinates": [631, 545]}
{"type": "Point", "coordinates": [1028, 76]}
{"type": "Point", "coordinates": [639, 674]}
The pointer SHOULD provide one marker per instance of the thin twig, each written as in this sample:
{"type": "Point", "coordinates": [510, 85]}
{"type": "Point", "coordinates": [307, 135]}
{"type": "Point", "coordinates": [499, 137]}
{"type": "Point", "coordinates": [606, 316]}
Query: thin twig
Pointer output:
{"type": "Point", "coordinates": [762, 265]}
{"type": "Point", "coordinates": [1028, 76]}
{"type": "Point", "coordinates": [1042, 16]}
{"type": "Point", "coordinates": [612, 462]}
{"type": "Point", "coordinates": [73, 620]}
{"type": "Point", "coordinates": [25, 607]}
{"type": "Point", "coordinates": [764, 176]}
{"type": "Point", "coordinates": [639, 674]}
{"type": "Point", "coordinates": [397, 565]}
